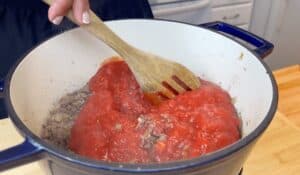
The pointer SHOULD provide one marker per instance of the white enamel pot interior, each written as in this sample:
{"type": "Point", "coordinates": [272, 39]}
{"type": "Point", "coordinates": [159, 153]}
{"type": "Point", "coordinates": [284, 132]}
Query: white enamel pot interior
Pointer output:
{"type": "Point", "coordinates": [67, 61]}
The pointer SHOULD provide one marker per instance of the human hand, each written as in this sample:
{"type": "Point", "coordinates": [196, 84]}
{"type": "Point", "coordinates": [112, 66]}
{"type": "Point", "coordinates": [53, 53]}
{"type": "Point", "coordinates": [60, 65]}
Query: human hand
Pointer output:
{"type": "Point", "coordinates": [59, 8]}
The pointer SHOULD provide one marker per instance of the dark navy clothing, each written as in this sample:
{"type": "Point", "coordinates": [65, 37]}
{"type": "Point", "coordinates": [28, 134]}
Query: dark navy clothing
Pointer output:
{"type": "Point", "coordinates": [24, 24]}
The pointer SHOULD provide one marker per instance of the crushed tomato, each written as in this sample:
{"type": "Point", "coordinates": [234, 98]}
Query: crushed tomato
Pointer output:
{"type": "Point", "coordinates": [119, 124]}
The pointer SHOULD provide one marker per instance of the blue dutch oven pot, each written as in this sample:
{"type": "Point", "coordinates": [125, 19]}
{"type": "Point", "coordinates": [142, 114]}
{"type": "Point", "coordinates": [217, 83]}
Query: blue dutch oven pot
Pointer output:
{"type": "Point", "coordinates": [216, 51]}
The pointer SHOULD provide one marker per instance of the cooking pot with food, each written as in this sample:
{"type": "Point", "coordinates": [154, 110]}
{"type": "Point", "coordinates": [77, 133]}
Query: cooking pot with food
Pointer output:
{"type": "Point", "coordinates": [216, 51]}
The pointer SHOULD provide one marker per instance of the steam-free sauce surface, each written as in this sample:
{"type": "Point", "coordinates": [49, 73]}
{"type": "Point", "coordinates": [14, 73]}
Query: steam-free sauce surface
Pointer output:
{"type": "Point", "coordinates": [118, 123]}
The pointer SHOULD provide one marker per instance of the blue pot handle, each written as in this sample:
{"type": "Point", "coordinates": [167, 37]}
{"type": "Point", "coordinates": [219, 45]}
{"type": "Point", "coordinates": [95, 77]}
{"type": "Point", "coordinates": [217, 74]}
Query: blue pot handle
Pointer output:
{"type": "Point", "coordinates": [3, 113]}
{"type": "Point", "coordinates": [1, 88]}
{"type": "Point", "coordinates": [263, 47]}
{"type": "Point", "coordinates": [21, 154]}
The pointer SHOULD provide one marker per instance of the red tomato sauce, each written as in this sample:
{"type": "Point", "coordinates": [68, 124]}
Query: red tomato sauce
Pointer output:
{"type": "Point", "coordinates": [119, 123]}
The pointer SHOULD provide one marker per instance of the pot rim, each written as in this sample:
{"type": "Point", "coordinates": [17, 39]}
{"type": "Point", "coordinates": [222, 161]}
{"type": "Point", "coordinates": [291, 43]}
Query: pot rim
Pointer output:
{"type": "Point", "coordinates": [142, 168]}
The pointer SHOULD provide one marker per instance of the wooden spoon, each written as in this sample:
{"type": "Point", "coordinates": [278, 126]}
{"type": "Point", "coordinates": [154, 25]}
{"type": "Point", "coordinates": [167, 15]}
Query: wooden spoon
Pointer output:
{"type": "Point", "coordinates": [153, 73]}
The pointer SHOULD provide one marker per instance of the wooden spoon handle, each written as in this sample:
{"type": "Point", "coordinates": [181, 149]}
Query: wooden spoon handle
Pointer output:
{"type": "Point", "coordinates": [101, 31]}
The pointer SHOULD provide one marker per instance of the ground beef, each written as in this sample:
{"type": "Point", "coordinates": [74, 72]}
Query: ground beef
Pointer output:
{"type": "Point", "coordinates": [111, 119]}
{"type": "Point", "coordinates": [56, 129]}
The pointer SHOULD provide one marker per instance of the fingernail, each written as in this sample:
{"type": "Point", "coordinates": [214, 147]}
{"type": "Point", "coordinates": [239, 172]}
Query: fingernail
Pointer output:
{"type": "Point", "coordinates": [57, 20]}
{"type": "Point", "coordinates": [85, 17]}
